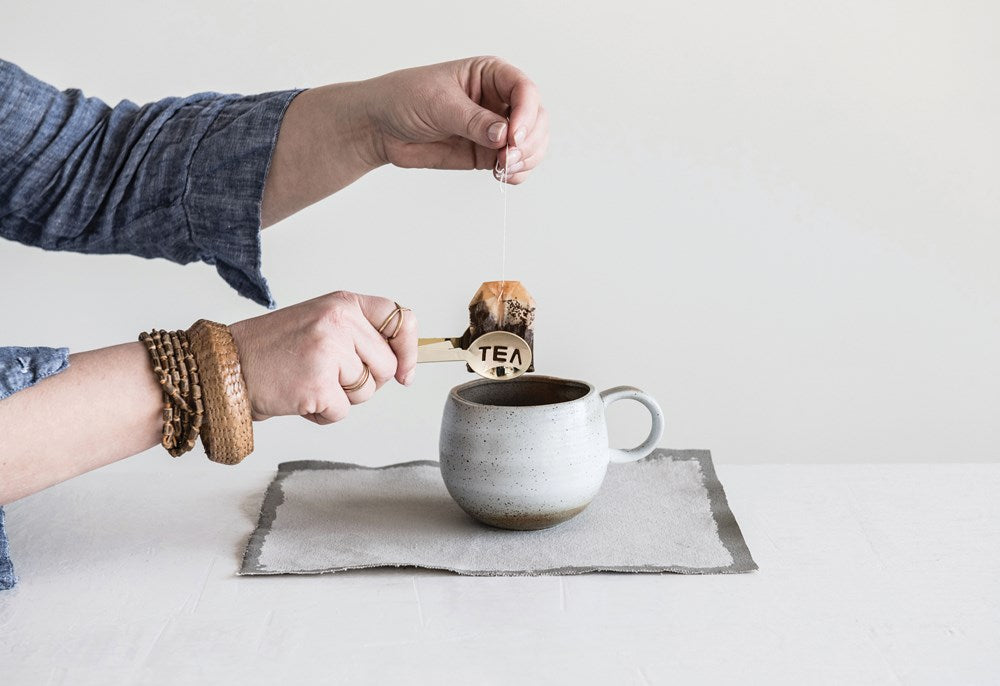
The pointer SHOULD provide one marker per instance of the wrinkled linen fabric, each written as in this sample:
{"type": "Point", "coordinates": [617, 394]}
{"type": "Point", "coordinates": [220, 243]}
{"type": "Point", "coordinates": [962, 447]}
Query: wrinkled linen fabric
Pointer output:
{"type": "Point", "coordinates": [180, 179]}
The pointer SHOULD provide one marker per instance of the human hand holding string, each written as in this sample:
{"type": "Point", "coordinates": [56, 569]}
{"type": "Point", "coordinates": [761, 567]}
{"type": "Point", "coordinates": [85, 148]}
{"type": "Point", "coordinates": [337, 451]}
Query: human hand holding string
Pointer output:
{"type": "Point", "coordinates": [454, 116]}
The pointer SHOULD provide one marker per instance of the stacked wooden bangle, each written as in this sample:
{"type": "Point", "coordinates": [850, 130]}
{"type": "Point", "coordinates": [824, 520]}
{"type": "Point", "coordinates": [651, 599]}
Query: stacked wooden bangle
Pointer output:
{"type": "Point", "coordinates": [203, 391]}
{"type": "Point", "coordinates": [177, 371]}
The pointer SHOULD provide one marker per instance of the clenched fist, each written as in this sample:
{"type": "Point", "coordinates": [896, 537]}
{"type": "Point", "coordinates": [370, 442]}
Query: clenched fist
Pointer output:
{"type": "Point", "coordinates": [299, 359]}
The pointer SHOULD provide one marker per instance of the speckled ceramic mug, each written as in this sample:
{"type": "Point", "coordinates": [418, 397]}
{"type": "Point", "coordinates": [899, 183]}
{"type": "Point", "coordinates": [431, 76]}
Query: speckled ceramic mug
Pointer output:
{"type": "Point", "coordinates": [532, 452]}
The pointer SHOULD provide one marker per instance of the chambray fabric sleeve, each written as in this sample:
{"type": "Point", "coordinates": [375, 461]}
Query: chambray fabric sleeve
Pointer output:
{"type": "Point", "coordinates": [180, 178]}
{"type": "Point", "coordinates": [20, 368]}
{"type": "Point", "coordinates": [7, 577]}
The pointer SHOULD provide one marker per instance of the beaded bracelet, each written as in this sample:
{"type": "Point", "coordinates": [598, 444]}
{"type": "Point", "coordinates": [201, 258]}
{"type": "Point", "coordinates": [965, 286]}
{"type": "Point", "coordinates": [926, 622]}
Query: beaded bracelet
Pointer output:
{"type": "Point", "coordinates": [177, 371]}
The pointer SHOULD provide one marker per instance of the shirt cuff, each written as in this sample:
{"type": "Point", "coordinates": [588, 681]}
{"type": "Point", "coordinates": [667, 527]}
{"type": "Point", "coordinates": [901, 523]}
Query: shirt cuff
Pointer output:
{"type": "Point", "coordinates": [23, 367]}
{"type": "Point", "coordinates": [20, 368]}
{"type": "Point", "coordinates": [225, 187]}
{"type": "Point", "coordinates": [7, 577]}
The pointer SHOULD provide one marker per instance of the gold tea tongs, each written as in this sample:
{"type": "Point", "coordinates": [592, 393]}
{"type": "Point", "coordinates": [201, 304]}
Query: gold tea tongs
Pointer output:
{"type": "Point", "coordinates": [496, 312]}
{"type": "Point", "coordinates": [494, 355]}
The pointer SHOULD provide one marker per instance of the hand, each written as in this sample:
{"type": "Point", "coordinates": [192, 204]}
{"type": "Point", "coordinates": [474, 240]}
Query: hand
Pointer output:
{"type": "Point", "coordinates": [452, 116]}
{"type": "Point", "coordinates": [444, 116]}
{"type": "Point", "coordinates": [297, 360]}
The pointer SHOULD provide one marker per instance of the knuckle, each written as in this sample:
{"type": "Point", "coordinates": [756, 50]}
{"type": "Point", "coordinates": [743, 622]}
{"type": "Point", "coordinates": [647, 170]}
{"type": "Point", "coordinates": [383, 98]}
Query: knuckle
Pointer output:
{"type": "Point", "coordinates": [476, 123]}
{"type": "Point", "coordinates": [341, 300]}
{"type": "Point", "coordinates": [318, 328]}
{"type": "Point", "coordinates": [320, 344]}
{"type": "Point", "coordinates": [488, 59]}
{"type": "Point", "coordinates": [333, 319]}
{"type": "Point", "coordinates": [387, 369]}
{"type": "Point", "coordinates": [338, 408]}
{"type": "Point", "coordinates": [381, 363]}
{"type": "Point", "coordinates": [340, 310]}
{"type": "Point", "coordinates": [410, 322]}
{"type": "Point", "coordinates": [341, 297]}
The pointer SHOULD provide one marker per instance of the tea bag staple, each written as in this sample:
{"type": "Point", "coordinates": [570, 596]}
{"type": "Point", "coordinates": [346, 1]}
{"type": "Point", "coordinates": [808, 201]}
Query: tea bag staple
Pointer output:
{"type": "Point", "coordinates": [665, 513]}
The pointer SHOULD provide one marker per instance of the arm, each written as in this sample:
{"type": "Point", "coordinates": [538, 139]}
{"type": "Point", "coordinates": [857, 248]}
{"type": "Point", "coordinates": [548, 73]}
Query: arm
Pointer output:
{"type": "Point", "coordinates": [180, 178]}
{"type": "Point", "coordinates": [443, 116]}
{"type": "Point", "coordinates": [195, 178]}
{"type": "Point", "coordinates": [108, 405]}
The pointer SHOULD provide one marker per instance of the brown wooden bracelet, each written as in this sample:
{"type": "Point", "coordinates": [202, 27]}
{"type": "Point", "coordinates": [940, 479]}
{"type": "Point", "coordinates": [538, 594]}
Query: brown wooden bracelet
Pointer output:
{"type": "Point", "coordinates": [227, 430]}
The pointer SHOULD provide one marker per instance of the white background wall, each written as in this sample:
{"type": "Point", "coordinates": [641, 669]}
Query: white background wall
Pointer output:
{"type": "Point", "coordinates": [780, 218]}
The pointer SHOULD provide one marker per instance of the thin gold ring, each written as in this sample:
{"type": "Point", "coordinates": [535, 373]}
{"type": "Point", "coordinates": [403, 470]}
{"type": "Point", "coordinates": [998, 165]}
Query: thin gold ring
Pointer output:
{"type": "Point", "coordinates": [398, 311]}
{"type": "Point", "coordinates": [399, 323]}
{"type": "Point", "coordinates": [361, 382]}
{"type": "Point", "coordinates": [396, 314]}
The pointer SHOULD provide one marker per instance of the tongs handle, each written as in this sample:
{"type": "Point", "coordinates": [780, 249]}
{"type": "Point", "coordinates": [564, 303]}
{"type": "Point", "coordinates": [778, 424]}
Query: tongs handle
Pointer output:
{"type": "Point", "coordinates": [494, 355]}
{"type": "Point", "coordinates": [440, 350]}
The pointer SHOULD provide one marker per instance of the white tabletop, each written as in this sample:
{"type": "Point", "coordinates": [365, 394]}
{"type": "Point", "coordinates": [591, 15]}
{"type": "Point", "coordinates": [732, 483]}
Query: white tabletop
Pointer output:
{"type": "Point", "coordinates": [868, 574]}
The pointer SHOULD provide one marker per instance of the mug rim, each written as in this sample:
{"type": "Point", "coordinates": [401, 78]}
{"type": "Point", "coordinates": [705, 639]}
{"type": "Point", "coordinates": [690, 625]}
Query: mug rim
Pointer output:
{"type": "Point", "coordinates": [454, 392]}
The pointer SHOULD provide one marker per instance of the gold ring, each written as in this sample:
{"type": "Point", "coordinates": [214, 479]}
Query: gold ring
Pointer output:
{"type": "Point", "coordinates": [396, 314]}
{"type": "Point", "coordinates": [361, 382]}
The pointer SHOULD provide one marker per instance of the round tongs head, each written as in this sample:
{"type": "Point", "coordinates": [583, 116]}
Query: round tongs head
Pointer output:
{"type": "Point", "coordinates": [499, 355]}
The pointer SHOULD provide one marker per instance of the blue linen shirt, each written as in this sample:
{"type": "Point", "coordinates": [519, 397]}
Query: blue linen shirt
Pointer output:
{"type": "Point", "coordinates": [180, 178]}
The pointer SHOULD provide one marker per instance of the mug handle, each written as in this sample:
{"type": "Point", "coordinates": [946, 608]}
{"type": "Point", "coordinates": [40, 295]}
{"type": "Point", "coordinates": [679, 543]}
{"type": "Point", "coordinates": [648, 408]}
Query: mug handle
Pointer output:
{"type": "Point", "coordinates": [655, 431]}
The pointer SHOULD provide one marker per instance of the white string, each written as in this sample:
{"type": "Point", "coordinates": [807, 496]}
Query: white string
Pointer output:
{"type": "Point", "coordinates": [502, 175]}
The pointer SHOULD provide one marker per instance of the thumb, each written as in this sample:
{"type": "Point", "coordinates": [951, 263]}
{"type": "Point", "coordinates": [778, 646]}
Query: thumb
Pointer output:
{"type": "Point", "coordinates": [479, 125]}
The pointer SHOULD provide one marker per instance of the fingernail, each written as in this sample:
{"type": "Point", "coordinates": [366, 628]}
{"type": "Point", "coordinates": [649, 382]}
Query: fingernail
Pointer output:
{"type": "Point", "coordinates": [511, 168]}
{"type": "Point", "coordinates": [512, 157]}
{"type": "Point", "coordinates": [496, 132]}
{"type": "Point", "coordinates": [519, 136]}
{"type": "Point", "coordinates": [408, 379]}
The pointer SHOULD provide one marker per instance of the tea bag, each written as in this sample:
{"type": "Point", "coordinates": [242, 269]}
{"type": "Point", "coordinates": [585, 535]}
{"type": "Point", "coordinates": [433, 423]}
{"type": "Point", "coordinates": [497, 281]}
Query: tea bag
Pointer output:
{"type": "Point", "coordinates": [499, 343]}
{"type": "Point", "coordinates": [502, 306]}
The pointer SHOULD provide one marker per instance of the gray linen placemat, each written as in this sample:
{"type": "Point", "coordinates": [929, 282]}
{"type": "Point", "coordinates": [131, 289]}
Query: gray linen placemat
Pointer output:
{"type": "Point", "coordinates": [666, 513]}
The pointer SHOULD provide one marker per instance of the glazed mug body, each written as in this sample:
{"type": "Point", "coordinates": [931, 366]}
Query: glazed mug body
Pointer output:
{"type": "Point", "coordinates": [531, 452]}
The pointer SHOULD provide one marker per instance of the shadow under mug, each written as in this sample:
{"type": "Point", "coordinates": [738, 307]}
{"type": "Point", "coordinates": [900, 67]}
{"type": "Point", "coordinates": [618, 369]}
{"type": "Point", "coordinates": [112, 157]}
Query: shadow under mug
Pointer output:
{"type": "Point", "coordinates": [532, 452]}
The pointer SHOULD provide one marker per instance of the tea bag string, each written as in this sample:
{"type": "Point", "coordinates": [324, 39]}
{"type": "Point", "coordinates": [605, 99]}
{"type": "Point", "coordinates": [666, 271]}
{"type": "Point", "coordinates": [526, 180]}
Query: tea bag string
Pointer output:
{"type": "Point", "coordinates": [502, 176]}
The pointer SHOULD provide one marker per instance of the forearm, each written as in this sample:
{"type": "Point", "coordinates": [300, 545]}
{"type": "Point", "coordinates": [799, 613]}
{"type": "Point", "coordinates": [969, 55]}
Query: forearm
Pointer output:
{"type": "Point", "coordinates": [325, 143]}
{"type": "Point", "coordinates": [106, 406]}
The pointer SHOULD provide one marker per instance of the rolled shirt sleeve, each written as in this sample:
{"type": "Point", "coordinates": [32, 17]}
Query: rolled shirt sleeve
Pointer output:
{"type": "Point", "coordinates": [23, 367]}
{"type": "Point", "coordinates": [180, 178]}
{"type": "Point", "coordinates": [7, 577]}
{"type": "Point", "coordinates": [20, 368]}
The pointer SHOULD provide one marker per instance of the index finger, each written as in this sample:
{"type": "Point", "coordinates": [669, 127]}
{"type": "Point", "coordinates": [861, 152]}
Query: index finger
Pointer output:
{"type": "Point", "coordinates": [399, 330]}
{"type": "Point", "coordinates": [517, 90]}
